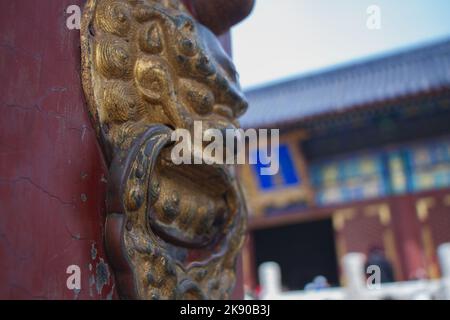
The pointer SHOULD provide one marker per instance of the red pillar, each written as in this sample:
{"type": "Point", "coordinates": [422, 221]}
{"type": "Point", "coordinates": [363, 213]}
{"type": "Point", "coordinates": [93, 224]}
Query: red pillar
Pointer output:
{"type": "Point", "coordinates": [408, 236]}
{"type": "Point", "coordinates": [52, 176]}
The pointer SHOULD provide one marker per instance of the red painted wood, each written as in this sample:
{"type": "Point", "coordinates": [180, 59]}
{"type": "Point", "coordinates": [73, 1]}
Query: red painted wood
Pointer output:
{"type": "Point", "coordinates": [52, 176]}
{"type": "Point", "coordinates": [407, 231]}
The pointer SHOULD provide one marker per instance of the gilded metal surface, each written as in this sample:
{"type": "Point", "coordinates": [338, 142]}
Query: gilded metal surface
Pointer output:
{"type": "Point", "coordinates": [172, 232]}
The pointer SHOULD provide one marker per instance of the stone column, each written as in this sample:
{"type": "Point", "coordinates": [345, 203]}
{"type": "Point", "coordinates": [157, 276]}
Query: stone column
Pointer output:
{"type": "Point", "coordinates": [353, 265]}
{"type": "Point", "coordinates": [270, 279]}
{"type": "Point", "coordinates": [444, 261]}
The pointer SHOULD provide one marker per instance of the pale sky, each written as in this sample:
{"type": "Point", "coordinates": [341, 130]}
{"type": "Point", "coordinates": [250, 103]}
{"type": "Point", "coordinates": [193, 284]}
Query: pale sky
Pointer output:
{"type": "Point", "coordinates": [285, 38]}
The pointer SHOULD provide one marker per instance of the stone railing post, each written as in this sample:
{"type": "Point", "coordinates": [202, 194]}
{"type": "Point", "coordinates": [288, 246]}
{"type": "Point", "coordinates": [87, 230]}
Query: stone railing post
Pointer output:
{"type": "Point", "coordinates": [270, 278]}
{"type": "Point", "coordinates": [444, 261]}
{"type": "Point", "coordinates": [353, 265]}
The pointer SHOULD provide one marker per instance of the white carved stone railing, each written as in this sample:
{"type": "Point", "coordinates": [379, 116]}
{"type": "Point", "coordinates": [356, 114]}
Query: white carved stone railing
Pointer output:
{"type": "Point", "coordinates": [356, 284]}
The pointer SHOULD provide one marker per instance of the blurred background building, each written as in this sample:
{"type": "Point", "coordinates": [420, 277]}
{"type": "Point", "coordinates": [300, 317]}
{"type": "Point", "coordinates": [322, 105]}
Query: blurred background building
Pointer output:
{"type": "Point", "coordinates": [364, 119]}
{"type": "Point", "coordinates": [364, 166]}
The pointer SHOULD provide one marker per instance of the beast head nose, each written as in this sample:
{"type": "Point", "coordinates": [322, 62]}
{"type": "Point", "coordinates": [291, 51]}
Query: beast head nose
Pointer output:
{"type": "Point", "coordinates": [236, 101]}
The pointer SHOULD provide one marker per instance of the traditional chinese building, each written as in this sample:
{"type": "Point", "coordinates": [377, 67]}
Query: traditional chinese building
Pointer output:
{"type": "Point", "coordinates": [364, 161]}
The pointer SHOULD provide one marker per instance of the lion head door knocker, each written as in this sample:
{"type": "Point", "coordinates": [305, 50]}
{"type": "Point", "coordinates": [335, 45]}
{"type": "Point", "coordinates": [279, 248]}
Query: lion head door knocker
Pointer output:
{"type": "Point", "coordinates": [172, 231]}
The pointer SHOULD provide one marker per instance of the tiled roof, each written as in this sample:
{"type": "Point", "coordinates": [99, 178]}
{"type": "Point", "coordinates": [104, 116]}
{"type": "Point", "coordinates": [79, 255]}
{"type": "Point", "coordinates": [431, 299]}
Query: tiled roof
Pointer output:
{"type": "Point", "coordinates": [409, 72]}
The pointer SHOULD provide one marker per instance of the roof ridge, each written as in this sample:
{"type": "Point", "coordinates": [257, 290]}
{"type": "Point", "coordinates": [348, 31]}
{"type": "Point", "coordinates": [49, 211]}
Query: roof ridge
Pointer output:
{"type": "Point", "coordinates": [416, 71]}
{"type": "Point", "coordinates": [414, 53]}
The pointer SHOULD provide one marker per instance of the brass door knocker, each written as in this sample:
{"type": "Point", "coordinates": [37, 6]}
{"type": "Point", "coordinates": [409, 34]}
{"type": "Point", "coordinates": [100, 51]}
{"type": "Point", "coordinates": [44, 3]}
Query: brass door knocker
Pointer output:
{"type": "Point", "coordinates": [172, 231]}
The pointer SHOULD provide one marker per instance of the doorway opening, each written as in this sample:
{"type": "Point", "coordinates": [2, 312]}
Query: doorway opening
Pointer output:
{"type": "Point", "coordinates": [303, 251]}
